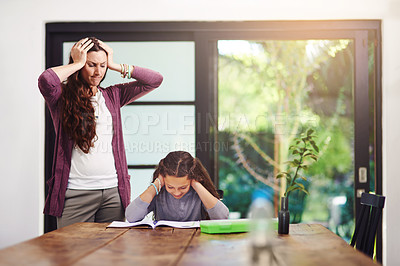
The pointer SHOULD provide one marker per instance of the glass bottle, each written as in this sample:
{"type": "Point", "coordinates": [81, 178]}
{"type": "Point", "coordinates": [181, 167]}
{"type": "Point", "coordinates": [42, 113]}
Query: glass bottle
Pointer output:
{"type": "Point", "coordinates": [261, 226]}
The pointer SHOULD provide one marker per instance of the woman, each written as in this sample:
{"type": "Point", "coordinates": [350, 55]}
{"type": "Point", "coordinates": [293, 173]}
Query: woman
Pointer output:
{"type": "Point", "coordinates": [181, 190]}
{"type": "Point", "coordinates": [90, 181]}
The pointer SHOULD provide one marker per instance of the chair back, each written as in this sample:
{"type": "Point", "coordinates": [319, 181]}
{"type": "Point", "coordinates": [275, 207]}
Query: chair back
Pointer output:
{"type": "Point", "coordinates": [370, 215]}
{"type": "Point", "coordinates": [220, 193]}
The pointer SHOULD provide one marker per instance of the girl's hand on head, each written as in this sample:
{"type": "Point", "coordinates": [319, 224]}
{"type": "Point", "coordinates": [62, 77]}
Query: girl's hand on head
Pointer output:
{"type": "Point", "coordinates": [79, 51]}
{"type": "Point", "coordinates": [194, 183]}
{"type": "Point", "coordinates": [159, 181]}
{"type": "Point", "coordinates": [206, 197]}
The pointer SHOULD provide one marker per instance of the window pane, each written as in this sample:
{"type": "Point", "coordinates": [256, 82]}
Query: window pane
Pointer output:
{"type": "Point", "coordinates": [140, 180]}
{"type": "Point", "coordinates": [290, 86]}
{"type": "Point", "coordinates": [372, 107]}
{"type": "Point", "coordinates": [151, 131]}
{"type": "Point", "coordinates": [174, 60]}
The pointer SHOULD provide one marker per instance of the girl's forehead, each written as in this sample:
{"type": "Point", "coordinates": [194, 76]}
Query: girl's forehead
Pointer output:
{"type": "Point", "coordinates": [176, 181]}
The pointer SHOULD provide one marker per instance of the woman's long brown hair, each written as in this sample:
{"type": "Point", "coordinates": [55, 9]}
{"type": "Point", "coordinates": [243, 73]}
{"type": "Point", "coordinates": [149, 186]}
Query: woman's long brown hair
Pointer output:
{"type": "Point", "coordinates": [180, 164]}
{"type": "Point", "coordinates": [77, 111]}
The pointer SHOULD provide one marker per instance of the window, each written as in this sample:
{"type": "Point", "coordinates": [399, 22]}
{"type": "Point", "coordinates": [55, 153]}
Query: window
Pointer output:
{"type": "Point", "coordinates": [195, 111]}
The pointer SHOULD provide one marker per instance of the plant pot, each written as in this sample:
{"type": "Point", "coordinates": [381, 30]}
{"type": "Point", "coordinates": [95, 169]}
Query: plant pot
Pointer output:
{"type": "Point", "coordinates": [284, 217]}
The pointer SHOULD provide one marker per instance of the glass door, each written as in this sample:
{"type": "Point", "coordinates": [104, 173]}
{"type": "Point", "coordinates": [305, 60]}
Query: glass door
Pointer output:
{"type": "Point", "coordinates": [236, 93]}
{"type": "Point", "coordinates": [271, 91]}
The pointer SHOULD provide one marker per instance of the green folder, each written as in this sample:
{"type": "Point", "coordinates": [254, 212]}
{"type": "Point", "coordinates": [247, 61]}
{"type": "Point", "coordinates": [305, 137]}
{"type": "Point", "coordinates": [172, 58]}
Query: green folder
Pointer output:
{"type": "Point", "coordinates": [228, 226]}
{"type": "Point", "coordinates": [225, 226]}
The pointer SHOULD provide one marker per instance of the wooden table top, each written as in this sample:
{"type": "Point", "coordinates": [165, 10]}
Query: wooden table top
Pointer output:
{"type": "Point", "coordinates": [94, 244]}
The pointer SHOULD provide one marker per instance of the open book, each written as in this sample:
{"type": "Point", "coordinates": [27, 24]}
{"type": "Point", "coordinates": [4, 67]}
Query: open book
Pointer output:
{"type": "Point", "coordinates": [153, 224]}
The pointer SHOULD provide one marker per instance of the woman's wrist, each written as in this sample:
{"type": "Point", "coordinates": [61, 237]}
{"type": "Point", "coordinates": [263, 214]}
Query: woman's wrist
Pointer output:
{"type": "Point", "coordinates": [78, 65]}
{"type": "Point", "coordinates": [126, 70]}
{"type": "Point", "coordinates": [115, 67]}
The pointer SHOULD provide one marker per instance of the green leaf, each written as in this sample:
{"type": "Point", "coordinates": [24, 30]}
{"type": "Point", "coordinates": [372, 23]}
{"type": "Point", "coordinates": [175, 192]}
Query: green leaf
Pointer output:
{"type": "Point", "coordinates": [310, 131]}
{"type": "Point", "coordinates": [280, 175]}
{"type": "Point", "coordinates": [292, 188]}
{"type": "Point", "coordinates": [305, 191]}
{"type": "Point", "coordinates": [296, 187]}
{"type": "Point", "coordinates": [300, 185]}
{"type": "Point", "coordinates": [314, 146]}
{"type": "Point", "coordinates": [283, 174]}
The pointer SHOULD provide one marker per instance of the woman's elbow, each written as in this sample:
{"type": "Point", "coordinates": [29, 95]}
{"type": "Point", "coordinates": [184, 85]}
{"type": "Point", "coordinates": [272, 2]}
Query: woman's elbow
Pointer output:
{"type": "Point", "coordinates": [159, 79]}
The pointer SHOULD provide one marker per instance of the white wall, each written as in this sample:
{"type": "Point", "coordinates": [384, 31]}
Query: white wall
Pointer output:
{"type": "Point", "coordinates": [22, 35]}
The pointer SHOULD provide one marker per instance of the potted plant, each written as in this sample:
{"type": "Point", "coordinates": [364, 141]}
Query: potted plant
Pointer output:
{"type": "Point", "coordinates": [304, 152]}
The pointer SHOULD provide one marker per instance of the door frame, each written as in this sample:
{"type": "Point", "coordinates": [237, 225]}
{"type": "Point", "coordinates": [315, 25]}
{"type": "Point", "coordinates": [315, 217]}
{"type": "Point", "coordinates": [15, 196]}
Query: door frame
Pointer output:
{"type": "Point", "coordinates": [205, 35]}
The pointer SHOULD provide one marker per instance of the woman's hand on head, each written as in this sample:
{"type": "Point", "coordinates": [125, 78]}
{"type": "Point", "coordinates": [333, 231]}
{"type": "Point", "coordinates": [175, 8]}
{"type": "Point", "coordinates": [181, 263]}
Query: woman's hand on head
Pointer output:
{"type": "Point", "coordinates": [110, 59]}
{"type": "Point", "coordinates": [79, 55]}
{"type": "Point", "coordinates": [79, 51]}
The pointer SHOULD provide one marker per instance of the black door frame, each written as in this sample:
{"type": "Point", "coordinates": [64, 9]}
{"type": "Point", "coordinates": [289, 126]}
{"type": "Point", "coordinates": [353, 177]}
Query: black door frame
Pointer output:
{"type": "Point", "coordinates": [205, 35]}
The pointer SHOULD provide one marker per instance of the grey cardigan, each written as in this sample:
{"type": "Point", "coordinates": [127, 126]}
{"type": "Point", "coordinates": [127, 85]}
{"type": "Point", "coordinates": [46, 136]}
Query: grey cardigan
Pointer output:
{"type": "Point", "coordinates": [166, 207]}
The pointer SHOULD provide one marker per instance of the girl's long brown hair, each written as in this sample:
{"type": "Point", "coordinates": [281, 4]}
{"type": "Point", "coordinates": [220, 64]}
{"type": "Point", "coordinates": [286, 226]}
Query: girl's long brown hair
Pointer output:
{"type": "Point", "coordinates": [77, 111]}
{"type": "Point", "coordinates": [180, 164]}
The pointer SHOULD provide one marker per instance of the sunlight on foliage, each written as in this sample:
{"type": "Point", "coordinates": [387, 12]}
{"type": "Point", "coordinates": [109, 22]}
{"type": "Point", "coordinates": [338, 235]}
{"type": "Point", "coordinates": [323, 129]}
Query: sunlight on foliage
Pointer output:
{"type": "Point", "coordinates": [271, 91]}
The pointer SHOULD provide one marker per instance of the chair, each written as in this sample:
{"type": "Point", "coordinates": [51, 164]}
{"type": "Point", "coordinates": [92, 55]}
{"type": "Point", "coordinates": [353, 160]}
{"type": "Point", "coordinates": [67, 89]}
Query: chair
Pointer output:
{"type": "Point", "coordinates": [220, 193]}
{"type": "Point", "coordinates": [367, 225]}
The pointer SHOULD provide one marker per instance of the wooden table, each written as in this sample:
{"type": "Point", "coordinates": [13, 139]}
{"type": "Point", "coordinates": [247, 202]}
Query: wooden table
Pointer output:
{"type": "Point", "coordinates": [94, 244]}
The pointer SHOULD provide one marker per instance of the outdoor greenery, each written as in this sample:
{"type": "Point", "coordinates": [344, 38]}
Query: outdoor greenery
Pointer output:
{"type": "Point", "coordinates": [303, 150]}
{"type": "Point", "coordinates": [270, 92]}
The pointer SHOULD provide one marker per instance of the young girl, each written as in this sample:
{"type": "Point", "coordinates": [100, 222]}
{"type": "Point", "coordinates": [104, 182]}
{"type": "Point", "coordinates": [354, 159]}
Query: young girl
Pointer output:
{"type": "Point", "coordinates": [181, 190]}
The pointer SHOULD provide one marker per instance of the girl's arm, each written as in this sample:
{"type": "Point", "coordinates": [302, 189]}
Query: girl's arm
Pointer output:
{"type": "Point", "coordinates": [150, 192]}
{"type": "Point", "coordinates": [139, 208]}
{"type": "Point", "coordinates": [215, 208]}
{"type": "Point", "coordinates": [206, 197]}
{"type": "Point", "coordinates": [79, 55]}
{"type": "Point", "coordinates": [136, 210]}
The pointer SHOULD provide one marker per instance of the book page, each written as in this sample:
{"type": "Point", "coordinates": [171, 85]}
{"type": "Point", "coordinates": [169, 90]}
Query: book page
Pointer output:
{"type": "Point", "coordinates": [149, 222]}
{"type": "Point", "coordinates": [146, 221]}
{"type": "Point", "coordinates": [177, 224]}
